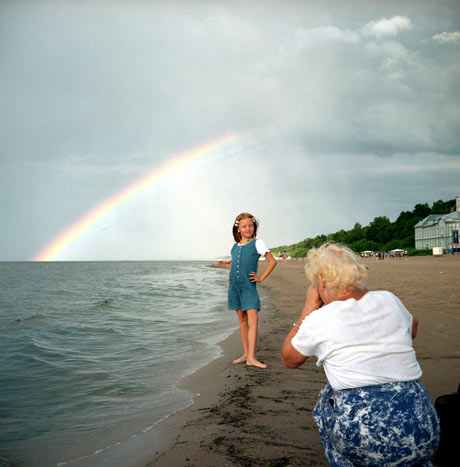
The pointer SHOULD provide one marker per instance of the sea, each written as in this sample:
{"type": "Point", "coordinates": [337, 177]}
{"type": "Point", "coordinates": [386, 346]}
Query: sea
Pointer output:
{"type": "Point", "coordinates": [92, 354]}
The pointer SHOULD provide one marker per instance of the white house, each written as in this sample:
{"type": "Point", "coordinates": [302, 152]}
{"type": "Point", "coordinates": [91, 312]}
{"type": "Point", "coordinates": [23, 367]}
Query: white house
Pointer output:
{"type": "Point", "coordinates": [439, 230]}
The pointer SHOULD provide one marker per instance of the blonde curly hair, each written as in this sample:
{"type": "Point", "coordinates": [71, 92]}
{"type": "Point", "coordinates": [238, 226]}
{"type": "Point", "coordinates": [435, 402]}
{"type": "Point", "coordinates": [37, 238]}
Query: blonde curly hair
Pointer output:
{"type": "Point", "coordinates": [338, 267]}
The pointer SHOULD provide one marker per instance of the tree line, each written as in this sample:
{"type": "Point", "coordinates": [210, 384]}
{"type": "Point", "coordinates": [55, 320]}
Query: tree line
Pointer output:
{"type": "Point", "coordinates": [380, 235]}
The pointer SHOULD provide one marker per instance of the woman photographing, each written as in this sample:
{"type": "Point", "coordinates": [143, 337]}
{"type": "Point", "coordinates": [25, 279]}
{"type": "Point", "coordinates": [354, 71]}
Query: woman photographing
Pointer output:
{"type": "Point", "coordinates": [373, 411]}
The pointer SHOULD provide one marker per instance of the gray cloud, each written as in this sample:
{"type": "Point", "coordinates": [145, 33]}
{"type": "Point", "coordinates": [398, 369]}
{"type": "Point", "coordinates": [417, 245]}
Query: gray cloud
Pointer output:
{"type": "Point", "coordinates": [447, 37]}
{"type": "Point", "coordinates": [387, 26]}
{"type": "Point", "coordinates": [353, 108]}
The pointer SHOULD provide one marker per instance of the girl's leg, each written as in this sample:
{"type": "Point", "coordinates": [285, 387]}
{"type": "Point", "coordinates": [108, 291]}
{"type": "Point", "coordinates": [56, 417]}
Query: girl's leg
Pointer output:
{"type": "Point", "coordinates": [253, 318]}
{"type": "Point", "coordinates": [243, 320]}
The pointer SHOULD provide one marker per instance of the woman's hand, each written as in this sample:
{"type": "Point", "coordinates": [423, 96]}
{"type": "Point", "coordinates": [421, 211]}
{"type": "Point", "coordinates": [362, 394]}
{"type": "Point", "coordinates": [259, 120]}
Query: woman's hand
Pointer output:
{"type": "Point", "coordinates": [313, 297]}
{"type": "Point", "coordinates": [312, 301]}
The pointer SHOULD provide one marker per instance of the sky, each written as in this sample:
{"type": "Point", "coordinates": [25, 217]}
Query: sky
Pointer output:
{"type": "Point", "coordinates": [338, 112]}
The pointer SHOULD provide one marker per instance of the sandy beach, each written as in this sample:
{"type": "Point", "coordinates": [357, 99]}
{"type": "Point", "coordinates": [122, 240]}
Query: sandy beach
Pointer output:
{"type": "Point", "coordinates": [251, 417]}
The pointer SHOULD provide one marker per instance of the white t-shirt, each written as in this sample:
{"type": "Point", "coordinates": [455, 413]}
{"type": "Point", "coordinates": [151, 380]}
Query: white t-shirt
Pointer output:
{"type": "Point", "coordinates": [361, 342]}
{"type": "Point", "coordinates": [261, 247]}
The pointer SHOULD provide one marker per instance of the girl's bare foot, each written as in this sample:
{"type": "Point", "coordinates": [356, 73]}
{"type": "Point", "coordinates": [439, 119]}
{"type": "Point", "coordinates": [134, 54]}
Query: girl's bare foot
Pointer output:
{"type": "Point", "coordinates": [256, 363]}
{"type": "Point", "coordinates": [240, 360]}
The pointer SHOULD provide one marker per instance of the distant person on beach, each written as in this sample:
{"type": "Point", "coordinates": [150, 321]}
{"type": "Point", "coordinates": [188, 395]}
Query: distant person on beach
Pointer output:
{"type": "Point", "coordinates": [242, 291]}
{"type": "Point", "coordinates": [284, 256]}
{"type": "Point", "coordinates": [373, 411]}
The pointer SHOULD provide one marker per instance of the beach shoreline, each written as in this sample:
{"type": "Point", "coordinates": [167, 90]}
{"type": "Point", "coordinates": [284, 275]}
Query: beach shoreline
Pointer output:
{"type": "Point", "coordinates": [249, 416]}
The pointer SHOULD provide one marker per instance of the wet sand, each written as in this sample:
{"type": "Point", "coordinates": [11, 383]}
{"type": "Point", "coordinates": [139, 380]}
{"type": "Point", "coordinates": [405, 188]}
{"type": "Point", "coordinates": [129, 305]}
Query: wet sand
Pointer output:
{"type": "Point", "coordinates": [251, 417]}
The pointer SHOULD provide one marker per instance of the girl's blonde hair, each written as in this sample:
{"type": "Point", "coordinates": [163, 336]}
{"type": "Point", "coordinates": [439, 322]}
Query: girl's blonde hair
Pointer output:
{"type": "Point", "coordinates": [338, 267]}
{"type": "Point", "coordinates": [239, 217]}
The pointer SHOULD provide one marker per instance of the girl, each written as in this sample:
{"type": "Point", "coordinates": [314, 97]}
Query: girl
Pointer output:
{"type": "Point", "coordinates": [242, 292]}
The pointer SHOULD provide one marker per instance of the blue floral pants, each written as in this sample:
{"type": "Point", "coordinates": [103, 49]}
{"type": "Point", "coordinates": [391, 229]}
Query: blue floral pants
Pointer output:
{"type": "Point", "coordinates": [392, 424]}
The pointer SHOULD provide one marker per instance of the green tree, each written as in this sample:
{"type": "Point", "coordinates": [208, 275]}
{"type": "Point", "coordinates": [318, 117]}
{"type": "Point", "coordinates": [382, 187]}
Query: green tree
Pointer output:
{"type": "Point", "coordinates": [380, 234]}
{"type": "Point", "coordinates": [299, 252]}
{"type": "Point", "coordinates": [380, 230]}
{"type": "Point", "coordinates": [404, 226]}
{"type": "Point", "coordinates": [341, 237]}
{"type": "Point", "coordinates": [439, 207]}
{"type": "Point", "coordinates": [443, 207]}
{"type": "Point", "coordinates": [363, 245]}
{"type": "Point", "coordinates": [318, 241]}
{"type": "Point", "coordinates": [356, 233]}
{"type": "Point", "coordinates": [421, 211]}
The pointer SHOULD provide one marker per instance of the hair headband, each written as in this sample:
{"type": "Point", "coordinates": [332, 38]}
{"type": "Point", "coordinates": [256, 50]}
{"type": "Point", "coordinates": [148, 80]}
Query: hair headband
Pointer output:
{"type": "Point", "coordinates": [237, 222]}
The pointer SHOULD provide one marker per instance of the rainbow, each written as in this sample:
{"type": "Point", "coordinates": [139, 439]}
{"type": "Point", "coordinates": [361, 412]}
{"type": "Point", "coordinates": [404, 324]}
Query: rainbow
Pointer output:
{"type": "Point", "coordinates": [224, 145]}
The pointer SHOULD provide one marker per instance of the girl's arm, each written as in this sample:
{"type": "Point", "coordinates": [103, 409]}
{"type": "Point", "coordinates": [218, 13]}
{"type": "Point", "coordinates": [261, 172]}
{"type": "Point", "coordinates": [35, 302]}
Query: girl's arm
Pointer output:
{"type": "Point", "coordinates": [271, 265]}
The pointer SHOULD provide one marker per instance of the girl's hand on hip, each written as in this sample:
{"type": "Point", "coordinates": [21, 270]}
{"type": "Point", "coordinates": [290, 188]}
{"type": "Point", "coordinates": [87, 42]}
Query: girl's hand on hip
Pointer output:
{"type": "Point", "coordinates": [253, 277]}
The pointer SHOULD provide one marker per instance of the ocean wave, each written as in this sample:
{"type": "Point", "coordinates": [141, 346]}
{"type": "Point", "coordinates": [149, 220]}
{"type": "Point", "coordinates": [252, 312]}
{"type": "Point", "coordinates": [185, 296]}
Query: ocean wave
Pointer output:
{"type": "Point", "coordinates": [53, 363]}
{"type": "Point", "coordinates": [106, 303]}
{"type": "Point", "coordinates": [67, 292]}
{"type": "Point", "coordinates": [28, 319]}
{"type": "Point", "coordinates": [95, 347]}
